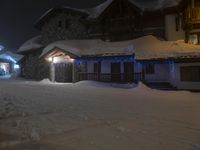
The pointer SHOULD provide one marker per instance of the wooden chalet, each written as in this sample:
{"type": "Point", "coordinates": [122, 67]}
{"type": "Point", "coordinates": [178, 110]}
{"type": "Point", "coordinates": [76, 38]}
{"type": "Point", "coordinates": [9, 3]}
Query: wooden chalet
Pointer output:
{"type": "Point", "coordinates": [119, 41]}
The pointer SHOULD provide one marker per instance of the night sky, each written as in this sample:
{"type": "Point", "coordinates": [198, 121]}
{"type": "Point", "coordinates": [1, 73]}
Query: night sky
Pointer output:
{"type": "Point", "coordinates": [17, 17]}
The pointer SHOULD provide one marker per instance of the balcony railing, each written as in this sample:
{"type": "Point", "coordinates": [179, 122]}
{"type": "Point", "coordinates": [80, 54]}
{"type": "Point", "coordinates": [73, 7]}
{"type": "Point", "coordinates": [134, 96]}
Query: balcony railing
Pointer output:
{"type": "Point", "coordinates": [104, 77]}
{"type": "Point", "coordinates": [192, 15]}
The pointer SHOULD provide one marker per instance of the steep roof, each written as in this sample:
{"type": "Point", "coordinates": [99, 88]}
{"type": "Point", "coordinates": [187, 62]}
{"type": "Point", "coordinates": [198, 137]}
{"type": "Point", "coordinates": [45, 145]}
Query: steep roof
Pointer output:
{"type": "Point", "coordinates": [144, 48]}
{"type": "Point", "coordinates": [48, 14]}
{"type": "Point", "coordinates": [96, 11]}
{"type": "Point", "coordinates": [143, 5]}
{"type": "Point", "coordinates": [32, 44]}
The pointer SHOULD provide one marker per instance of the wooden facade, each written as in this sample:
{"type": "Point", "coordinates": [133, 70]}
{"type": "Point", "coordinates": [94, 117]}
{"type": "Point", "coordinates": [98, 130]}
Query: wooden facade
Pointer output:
{"type": "Point", "coordinates": [191, 19]}
{"type": "Point", "coordinates": [122, 20]}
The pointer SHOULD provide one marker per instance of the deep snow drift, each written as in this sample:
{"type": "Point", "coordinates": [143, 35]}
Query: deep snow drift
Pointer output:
{"type": "Point", "coordinates": [96, 116]}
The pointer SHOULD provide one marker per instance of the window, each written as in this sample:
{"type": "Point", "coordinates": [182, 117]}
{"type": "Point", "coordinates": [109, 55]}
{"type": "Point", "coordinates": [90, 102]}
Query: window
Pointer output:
{"type": "Point", "coordinates": [179, 22]}
{"type": "Point", "coordinates": [190, 73]}
{"type": "Point", "coordinates": [67, 24]}
{"type": "Point", "coordinates": [149, 68]}
{"type": "Point", "coordinates": [59, 24]}
{"type": "Point", "coordinates": [193, 39]}
{"type": "Point", "coordinates": [97, 68]}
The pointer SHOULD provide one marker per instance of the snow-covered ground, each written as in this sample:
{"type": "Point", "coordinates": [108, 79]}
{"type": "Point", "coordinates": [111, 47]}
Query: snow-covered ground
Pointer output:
{"type": "Point", "coordinates": [96, 116]}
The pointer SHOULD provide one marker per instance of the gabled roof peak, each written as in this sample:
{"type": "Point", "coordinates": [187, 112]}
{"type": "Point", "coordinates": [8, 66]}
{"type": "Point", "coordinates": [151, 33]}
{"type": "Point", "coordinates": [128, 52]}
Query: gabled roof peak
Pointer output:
{"type": "Point", "coordinates": [95, 12]}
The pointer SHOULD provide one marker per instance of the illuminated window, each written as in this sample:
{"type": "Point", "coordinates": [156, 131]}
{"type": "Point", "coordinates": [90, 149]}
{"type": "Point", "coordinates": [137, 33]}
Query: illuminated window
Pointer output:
{"type": "Point", "coordinates": [193, 39]}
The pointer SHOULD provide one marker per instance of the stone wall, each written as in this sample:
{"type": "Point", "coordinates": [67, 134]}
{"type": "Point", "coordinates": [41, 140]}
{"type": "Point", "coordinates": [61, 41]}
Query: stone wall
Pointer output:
{"type": "Point", "coordinates": [62, 27]}
{"type": "Point", "coordinates": [35, 68]}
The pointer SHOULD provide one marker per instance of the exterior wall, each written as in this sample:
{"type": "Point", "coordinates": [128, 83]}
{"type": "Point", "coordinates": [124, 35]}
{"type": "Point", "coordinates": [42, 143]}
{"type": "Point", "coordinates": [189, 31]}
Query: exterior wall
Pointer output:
{"type": "Point", "coordinates": [162, 70]}
{"type": "Point", "coordinates": [161, 74]}
{"type": "Point", "coordinates": [106, 75]}
{"type": "Point", "coordinates": [176, 81]}
{"type": "Point", "coordinates": [90, 66]}
{"type": "Point", "coordinates": [105, 66]}
{"type": "Point", "coordinates": [71, 28]}
{"type": "Point", "coordinates": [170, 29]}
{"type": "Point", "coordinates": [153, 23]}
{"type": "Point", "coordinates": [34, 67]}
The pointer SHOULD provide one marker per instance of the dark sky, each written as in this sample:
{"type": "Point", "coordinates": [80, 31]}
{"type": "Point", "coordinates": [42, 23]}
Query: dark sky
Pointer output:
{"type": "Point", "coordinates": [17, 17]}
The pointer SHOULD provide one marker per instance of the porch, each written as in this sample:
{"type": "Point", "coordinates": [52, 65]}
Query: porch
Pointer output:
{"type": "Point", "coordinates": [111, 77]}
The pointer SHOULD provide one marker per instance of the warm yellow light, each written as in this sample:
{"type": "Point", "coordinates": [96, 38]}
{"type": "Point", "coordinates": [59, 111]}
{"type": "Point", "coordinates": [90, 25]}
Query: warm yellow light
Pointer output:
{"type": "Point", "coordinates": [72, 60]}
{"type": "Point", "coordinates": [50, 59]}
{"type": "Point", "coordinates": [60, 59]}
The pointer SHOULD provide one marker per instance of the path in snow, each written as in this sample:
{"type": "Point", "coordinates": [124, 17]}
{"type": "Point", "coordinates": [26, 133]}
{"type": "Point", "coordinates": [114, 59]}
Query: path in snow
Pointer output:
{"type": "Point", "coordinates": [95, 116]}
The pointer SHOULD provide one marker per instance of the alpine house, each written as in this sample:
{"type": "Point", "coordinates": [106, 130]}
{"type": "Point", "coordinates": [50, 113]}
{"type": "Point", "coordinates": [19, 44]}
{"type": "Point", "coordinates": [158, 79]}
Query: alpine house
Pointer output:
{"type": "Point", "coordinates": [121, 41]}
{"type": "Point", "coordinates": [9, 63]}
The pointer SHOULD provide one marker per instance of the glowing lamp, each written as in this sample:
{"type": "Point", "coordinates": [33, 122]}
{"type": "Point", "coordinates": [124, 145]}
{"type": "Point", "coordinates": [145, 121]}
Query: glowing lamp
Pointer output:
{"type": "Point", "coordinates": [50, 59]}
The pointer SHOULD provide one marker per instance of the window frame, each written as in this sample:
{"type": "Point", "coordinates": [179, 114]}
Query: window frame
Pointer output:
{"type": "Point", "coordinates": [190, 73]}
{"type": "Point", "coordinates": [149, 68]}
{"type": "Point", "coordinates": [59, 24]}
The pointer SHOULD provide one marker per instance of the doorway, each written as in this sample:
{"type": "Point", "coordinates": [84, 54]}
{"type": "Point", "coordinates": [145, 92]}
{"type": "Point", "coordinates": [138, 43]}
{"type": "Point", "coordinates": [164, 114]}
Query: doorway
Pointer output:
{"type": "Point", "coordinates": [116, 72]}
{"type": "Point", "coordinates": [63, 72]}
{"type": "Point", "coordinates": [129, 72]}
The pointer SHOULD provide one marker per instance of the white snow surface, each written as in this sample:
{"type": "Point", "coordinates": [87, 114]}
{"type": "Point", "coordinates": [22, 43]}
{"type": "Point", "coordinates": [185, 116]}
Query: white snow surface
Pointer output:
{"type": "Point", "coordinates": [32, 44]}
{"type": "Point", "coordinates": [147, 47]}
{"type": "Point", "coordinates": [96, 116]}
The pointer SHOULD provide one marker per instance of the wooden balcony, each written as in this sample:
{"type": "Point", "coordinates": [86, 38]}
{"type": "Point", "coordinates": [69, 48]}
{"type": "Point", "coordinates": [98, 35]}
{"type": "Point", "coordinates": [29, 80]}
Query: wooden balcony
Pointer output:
{"type": "Point", "coordinates": [120, 78]}
{"type": "Point", "coordinates": [192, 16]}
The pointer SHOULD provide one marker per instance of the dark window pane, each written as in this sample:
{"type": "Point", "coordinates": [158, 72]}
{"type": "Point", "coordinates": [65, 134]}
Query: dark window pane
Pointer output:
{"type": "Point", "coordinates": [149, 68]}
{"type": "Point", "coordinates": [67, 23]}
{"type": "Point", "coordinates": [190, 73]}
{"type": "Point", "coordinates": [59, 24]}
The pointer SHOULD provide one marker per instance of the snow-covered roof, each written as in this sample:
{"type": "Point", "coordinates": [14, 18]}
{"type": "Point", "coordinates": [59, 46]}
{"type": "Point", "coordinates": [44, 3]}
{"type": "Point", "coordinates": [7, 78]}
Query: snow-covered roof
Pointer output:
{"type": "Point", "coordinates": [10, 56]}
{"type": "Point", "coordinates": [32, 44]}
{"type": "Point", "coordinates": [96, 11]}
{"type": "Point", "coordinates": [90, 47]}
{"type": "Point", "coordinates": [155, 4]}
{"type": "Point", "coordinates": [144, 48]}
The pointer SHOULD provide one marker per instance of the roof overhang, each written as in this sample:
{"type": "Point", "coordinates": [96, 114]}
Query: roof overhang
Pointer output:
{"type": "Point", "coordinates": [177, 60]}
{"type": "Point", "coordinates": [56, 51]}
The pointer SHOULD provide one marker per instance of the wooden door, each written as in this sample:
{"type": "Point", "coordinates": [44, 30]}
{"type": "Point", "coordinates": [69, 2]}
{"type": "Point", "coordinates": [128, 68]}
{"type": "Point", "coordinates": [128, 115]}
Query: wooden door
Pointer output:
{"type": "Point", "coordinates": [63, 72]}
{"type": "Point", "coordinates": [115, 72]}
{"type": "Point", "coordinates": [97, 70]}
{"type": "Point", "coordinates": [129, 72]}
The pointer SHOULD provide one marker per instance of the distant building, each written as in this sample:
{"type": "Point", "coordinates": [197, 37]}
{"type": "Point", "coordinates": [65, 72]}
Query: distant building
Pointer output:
{"type": "Point", "coordinates": [118, 41]}
{"type": "Point", "coordinates": [9, 64]}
